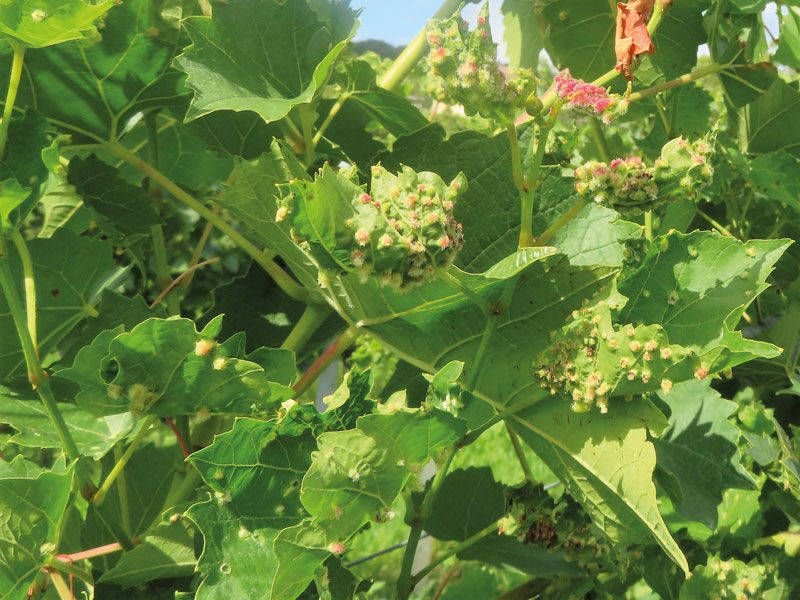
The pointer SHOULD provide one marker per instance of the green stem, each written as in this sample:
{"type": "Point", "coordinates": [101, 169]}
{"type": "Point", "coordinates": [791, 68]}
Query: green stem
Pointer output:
{"type": "Point", "coordinates": [476, 298]}
{"type": "Point", "coordinates": [500, 416]}
{"type": "Point", "coordinates": [100, 496]}
{"type": "Point", "coordinates": [526, 239]}
{"type": "Point", "coordinates": [452, 551]}
{"type": "Point", "coordinates": [718, 226]}
{"type": "Point", "coordinates": [563, 220]}
{"type": "Point", "coordinates": [648, 225]}
{"type": "Point", "coordinates": [678, 81]}
{"type": "Point", "coordinates": [600, 141]}
{"type": "Point", "coordinates": [331, 114]}
{"type": "Point", "coordinates": [516, 160]}
{"type": "Point", "coordinates": [281, 277]}
{"type": "Point", "coordinates": [520, 452]}
{"type": "Point", "coordinates": [70, 569]}
{"type": "Point", "coordinates": [342, 343]}
{"type": "Point", "coordinates": [122, 492]}
{"type": "Point", "coordinates": [11, 95]}
{"type": "Point", "coordinates": [405, 582]}
{"type": "Point", "coordinates": [29, 285]}
{"type": "Point", "coordinates": [163, 278]}
{"type": "Point", "coordinates": [312, 317]}
{"type": "Point", "coordinates": [307, 124]}
{"type": "Point", "coordinates": [404, 64]}
{"type": "Point", "coordinates": [36, 375]}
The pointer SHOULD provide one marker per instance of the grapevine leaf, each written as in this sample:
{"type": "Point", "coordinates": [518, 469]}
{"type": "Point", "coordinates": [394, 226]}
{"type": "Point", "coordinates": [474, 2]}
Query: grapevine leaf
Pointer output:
{"type": "Point", "coordinates": [242, 134]}
{"type": "Point", "coordinates": [123, 211]}
{"type": "Point", "coordinates": [592, 24]}
{"type": "Point", "coordinates": [165, 367]}
{"type": "Point", "coordinates": [93, 437]}
{"type": "Point", "coordinates": [606, 463]}
{"type": "Point", "coordinates": [468, 501]}
{"type": "Point", "coordinates": [775, 175]}
{"type": "Point", "coordinates": [693, 283]}
{"type": "Point", "coordinates": [98, 87]}
{"type": "Point", "coordinates": [517, 262]}
{"type": "Point", "coordinates": [595, 237]}
{"type": "Point", "coordinates": [357, 474]}
{"type": "Point", "coordinates": [398, 115]}
{"type": "Point", "coordinates": [301, 551]}
{"type": "Point", "coordinates": [22, 172]}
{"type": "Point", "coordinates": [32, 509]}
{"type": "Point", "coordinates": [521, 34]}
{"type": "Point", "coordinates": [255, 474]}
{"type": "Point", "coordinates": [506, 550]}
{"type": "Point", "coordinates": [789, 44]}
{"type": "Point", "coordinates": [237, 60]}
{"type": "Point", "coordinates": [773, 120]}
{"type": "Point", "coordinates": [40, 23]}
{"type": "Point", "coordinates": [64, 208]}
{"type": "Point", "coordinates": [436, 324]}
{"type": "Point", "coordinates": [252, 199]}
{"type": "Point", "coordinates": [71, 272]}
{"type": "Point", "coordinates": [676, 42]}
{"type": "Point", "coordinates": [700, 450]}
{"type": "Point", "coordinates": [166, 552]}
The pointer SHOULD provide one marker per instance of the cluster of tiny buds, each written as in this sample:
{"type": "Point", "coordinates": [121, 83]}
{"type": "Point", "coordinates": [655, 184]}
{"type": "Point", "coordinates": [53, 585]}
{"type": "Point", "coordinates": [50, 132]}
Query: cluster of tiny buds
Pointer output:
{"type": "Point", "coordinates": [623, 183]}
{"type": "Point", "coordinates": [590, 99]}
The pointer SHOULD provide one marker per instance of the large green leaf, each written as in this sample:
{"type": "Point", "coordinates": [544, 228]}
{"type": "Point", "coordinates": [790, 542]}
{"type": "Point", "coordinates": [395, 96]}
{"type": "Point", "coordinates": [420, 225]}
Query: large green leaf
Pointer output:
{"type": "Point", "coordinates": [98, 87]}
{"type": "Point", "coordinates": [596, 236]}
{"type": "Point", "coordinates": [789, 43]}
{"type": "Point", "coordinates": [436, 323]}
{"type": "Point", "coordinates": [39, 23]}
{"type": "Point", "coordinates": [521, 34]}
{"type": "Point", "coordinates": [696, 285]}
{"type": "Point", "coordinates": [606, 463]}
{"type": "Point", "coordinates": [32, 508]}
{"type": "Point", "coordinates": [255, 474]}
{"type": "Point", "coordinates": [238, 58]}
{"type": "Point", "coordinates": [70, 272]}
{"type": "Point", "coordinates": [468, 501]}
{"type": "Point", "coordinates": [123, 212]}
{"type": "Point", "coordinates": [699, 449]}
{"type": "Point", "coordinates": [773, 120]}
{"type": "Point", "coordinates": [93, 437]}
{"type": "Point", "coordinates": [166, 552]}
{"type": "Point", "coordinates": [166, 367]}
{"type": "Point", "coordinates": [357, 474]}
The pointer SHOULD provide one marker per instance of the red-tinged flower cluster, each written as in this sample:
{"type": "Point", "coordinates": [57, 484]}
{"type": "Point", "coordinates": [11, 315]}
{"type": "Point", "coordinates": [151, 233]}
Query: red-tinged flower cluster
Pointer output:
{"type": "Point", "coordinates": [590, 99]}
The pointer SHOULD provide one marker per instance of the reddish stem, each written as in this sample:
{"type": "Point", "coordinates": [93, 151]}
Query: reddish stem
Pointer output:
{"type": "Point", "coordinates": [178, 435]}
{"type": "Point", "coordinates": [93, 552]}
{"type": "Point", "coordinates": [341, 344]}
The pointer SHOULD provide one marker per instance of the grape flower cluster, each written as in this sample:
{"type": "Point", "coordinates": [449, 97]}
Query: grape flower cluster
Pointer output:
{"type": "Point", "coordinates": [589, 99]}
{"type": "Point", "coordinates": [466, 63]}
{"type": "Point", "coordinates": [630, 186]}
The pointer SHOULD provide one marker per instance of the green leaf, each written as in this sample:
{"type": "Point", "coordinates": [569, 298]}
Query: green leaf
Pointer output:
{"type": "Point", "coordinates": [32, 509]}
{"type": "Point", "coordinates": [357, 474]}
{"type": "Point", "coordinates": [63, 208]}
{"type": "Point", "coordinates": [700, 449]}
{"type": "Point", "coordinates": [676, 42]}
{"type": "Point", "coordinates": [688, 112]}
{"type": "Point", "coordinates": [775, 175]}
{"type": "Point", "coordinates": [773, 120]}
{"type": "Point", "coordinates": [238, 59]}
{"type": "Point", "coordinates": [301, 551]}
{"type": "Point", "coordinates": [468, 501]}
{"type": "Point", "coordinates": [596, 236]}
{"type": "Point", "coordinates": [70, 273]}
{"type": "Point", "coordinates": [93, 437]}
{"type": "Point", "coordinates": [521, 34]}
{"type": "Point", "coordinates": [255, 474]}
{"type": "Point", "coordinates": [23, 172]}
{"type": "Point", "coordinates": [167, 368]}
{"type": "Point", "coordinates": [98, 87]}
{"type": "Point", "coordinates": [581, 36]}
{"type": "Point", "coordinates": [606, 463]}
{"type": "Point", "coordinates": [518, 262]}
{"type": "Point", "coordinates": [394, 112]}
{"type": "Point", "coordinates": [123, 212]}
{"type": "Point", "coordinates": [532, 559]}
{"type": "Point", "coordinates": [40, 23]}
{"type": "Point", "coordinates": [694, 283]}
{"type": "Point", "coordinates": [167, 552]}
{"type": "Point", "coordinates": [789, 42]}
{"type": "Point", "coordinates": [242, 134]}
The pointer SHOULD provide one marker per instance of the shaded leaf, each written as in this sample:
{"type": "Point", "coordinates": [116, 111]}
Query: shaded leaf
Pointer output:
{"type": "Point", "coordinates": [506, 550]}
{"type": "Point", "coordinates": [773, 120]}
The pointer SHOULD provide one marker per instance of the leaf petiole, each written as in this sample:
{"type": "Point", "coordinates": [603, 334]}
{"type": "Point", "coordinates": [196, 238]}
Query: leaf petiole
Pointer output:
{"type": "Point", "coordinates": [11, 95]}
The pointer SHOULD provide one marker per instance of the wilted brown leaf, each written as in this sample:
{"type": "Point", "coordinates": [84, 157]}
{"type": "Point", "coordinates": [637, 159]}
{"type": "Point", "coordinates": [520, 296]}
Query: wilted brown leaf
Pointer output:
{"type": "Point", "coordinates": [632, 38]}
